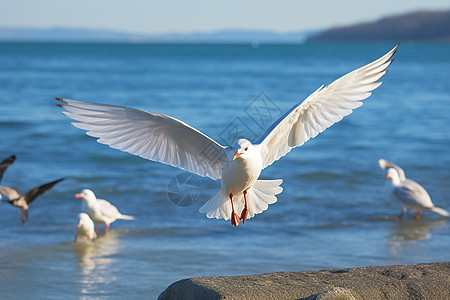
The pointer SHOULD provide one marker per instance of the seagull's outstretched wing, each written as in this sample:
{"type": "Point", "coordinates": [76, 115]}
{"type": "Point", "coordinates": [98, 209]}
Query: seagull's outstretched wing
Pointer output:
{"type": "Point", "coordinates": [322, 109]}
{"type": "Point", "coordinates": [9, 192]}
{"type": "Point", "coordinates": [152, 136]}
{"type": "Point", "coordinates": [384, 164]}
{"type": "Point", "coordinates": [32, 194]}
{"type": "Point", "coordinates": [5, 164]}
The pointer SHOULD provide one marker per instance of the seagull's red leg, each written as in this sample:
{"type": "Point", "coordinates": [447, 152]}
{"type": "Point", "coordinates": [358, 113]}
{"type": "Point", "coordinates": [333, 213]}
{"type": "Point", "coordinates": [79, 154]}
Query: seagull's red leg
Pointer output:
{"type": "Point", "coordinates": [97, 227]}
{"type": "Point", "coordinates": [234, 216]}
{"type": "Point", "coordinates": [106, 228]}
{"type": "Point", "coordinates": [401, 215]}
{"type": "Point", "coordinates": [244, 213]}
{"type": "Point", "coordinates": [417, 216]}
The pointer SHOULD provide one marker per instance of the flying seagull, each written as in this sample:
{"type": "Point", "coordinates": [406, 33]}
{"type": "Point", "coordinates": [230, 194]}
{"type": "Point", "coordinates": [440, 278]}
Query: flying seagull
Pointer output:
{"type": "Point", "coordinates": [100, 210]}
{"type": "Point", "coordinates": [23, 201]}
{"type": "Point", "coordinates": [408, 193]}
{"type": "Point", "coordinates": [164, 139]}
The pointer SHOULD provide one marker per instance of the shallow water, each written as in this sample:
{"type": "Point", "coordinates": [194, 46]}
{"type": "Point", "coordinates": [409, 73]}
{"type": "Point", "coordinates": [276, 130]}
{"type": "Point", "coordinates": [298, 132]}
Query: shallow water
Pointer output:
{"type": "Point", "coordinates": [333, 212]}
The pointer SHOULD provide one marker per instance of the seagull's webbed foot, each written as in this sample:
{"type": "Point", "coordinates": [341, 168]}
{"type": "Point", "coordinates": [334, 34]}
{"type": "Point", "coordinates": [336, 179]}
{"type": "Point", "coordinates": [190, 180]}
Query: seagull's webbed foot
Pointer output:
{"type": "Point", "coordinates": [244, 212]}
{"type": "Point", "coordinates": [234, 216]}
{"type": "Point", "coordinates": [418, 215]}
{"type": "Point", "coordinates": [399, 217]}
{"type": "Point", "coordinates": [234, 219]}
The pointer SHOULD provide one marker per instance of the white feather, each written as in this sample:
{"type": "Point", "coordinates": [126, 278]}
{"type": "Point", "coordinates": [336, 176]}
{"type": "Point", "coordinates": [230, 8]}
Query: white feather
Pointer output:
{"type": "Point", "coordinates": [322, 109]}
{"type": "Point", "coordinates": [156, 137]}
{"type": "Point", "coordinates": [259, 197]}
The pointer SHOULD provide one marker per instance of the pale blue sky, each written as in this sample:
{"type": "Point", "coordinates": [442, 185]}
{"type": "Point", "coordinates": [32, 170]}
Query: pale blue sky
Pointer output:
{"type": "Point", "coordinates": [161, 16]}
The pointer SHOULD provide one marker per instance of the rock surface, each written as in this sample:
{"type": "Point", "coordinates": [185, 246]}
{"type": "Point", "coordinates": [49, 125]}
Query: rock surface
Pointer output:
{"type": "Point", "coordinates": [422, 281]}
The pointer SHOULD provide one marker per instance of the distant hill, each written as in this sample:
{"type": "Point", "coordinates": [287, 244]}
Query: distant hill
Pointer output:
{"type": "Point", "coordinates": [416, 26]}
{"type": "Point", "coordinates": [88, 35]}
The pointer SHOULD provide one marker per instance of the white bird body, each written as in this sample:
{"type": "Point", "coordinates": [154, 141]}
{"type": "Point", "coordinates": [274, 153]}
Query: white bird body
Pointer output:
{"type": "Point", "coordinates": [240, 174]}
{"type": "Point", "coordinates": [408, 193]}
{"type": "Point", "coordinates": [85, 229]}
{"type": "Point", "coordinates": [100, 210]}
{"type": "Point", "coordinates": [167, 140]}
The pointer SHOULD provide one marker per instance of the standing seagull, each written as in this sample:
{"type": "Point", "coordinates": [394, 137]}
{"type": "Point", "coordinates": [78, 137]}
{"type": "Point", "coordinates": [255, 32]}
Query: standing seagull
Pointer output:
{"type": "Point", "coordinates": [85, 228]}
{"type": "Point", "coordinates": [167, 140]}
{"type": "Point", "coordinates": [407, 192]}
{"type": "Point", "coordinates": [99, 210]}
{"type": "Point", "coordinates": [23, 201]}
{"type": "Point", "coordinates": [4, 165]}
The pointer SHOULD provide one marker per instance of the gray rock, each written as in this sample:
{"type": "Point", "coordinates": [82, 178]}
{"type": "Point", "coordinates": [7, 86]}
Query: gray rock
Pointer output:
{"type": "Point", "coordinates": [422, 281]}
{"type": "Point", "coordinates": [335, 293]}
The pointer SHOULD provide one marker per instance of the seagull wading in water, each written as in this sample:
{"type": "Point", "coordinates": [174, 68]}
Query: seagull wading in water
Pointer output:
{"type": "Point", "coordinates": [100, 210]}
{"type": "Point", "coordinates": [85, 229]}
{"type": "Point", "coordinates": [408, 193]}
{"type": "Point", "coordinates": [164, 139]}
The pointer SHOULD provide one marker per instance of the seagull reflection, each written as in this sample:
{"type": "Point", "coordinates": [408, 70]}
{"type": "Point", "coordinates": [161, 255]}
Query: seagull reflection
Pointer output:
{"type": "Point", "coordinates": [410, 231]}
{"type": "Point", "coordinates": [95, 262]}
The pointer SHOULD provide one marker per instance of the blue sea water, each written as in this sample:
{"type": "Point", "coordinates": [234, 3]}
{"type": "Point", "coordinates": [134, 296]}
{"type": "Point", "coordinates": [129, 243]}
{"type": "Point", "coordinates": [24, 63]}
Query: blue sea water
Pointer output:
{"type": "Point", "coordinates": [333, 212]}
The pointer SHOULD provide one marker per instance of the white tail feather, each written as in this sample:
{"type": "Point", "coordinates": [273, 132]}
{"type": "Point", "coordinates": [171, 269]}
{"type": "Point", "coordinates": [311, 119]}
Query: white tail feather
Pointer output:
{"type": "Point", "coordinates": [259, 196]}
{"type": "Point", "coordinates": [440, 211]}
{"type": "Point", "coordinates": [125, 217]}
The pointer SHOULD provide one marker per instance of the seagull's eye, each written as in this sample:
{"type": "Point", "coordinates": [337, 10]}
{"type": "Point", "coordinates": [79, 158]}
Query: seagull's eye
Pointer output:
{"type": "Point", "coordinates": [246, 149]}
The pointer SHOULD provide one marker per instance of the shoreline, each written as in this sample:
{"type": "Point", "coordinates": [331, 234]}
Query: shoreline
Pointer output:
{"type": "Point", "coordinates": [420, 281]}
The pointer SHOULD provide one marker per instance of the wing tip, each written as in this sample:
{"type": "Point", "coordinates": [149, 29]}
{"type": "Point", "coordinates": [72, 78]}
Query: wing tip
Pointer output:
{"type": "Point", "coordinates": [64, 100]}
{"type": "Point", "coordinates": [8, 161]}
{"type": "Point", "coordinates": [392, 52]}
{"type": "Point", "coordinates": [59, 180]}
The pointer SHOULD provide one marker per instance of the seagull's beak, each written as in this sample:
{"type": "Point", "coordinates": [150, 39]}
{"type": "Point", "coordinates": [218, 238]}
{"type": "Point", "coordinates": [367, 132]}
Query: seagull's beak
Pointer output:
{"type": "Point", "coordinates": [79, 224]}
{"type": "Point", "coordinates": [79, 195]}
{"type": "Point", "coordinates": [388, 176]}
{"type": "Point", "coordinates": [237, 155]}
